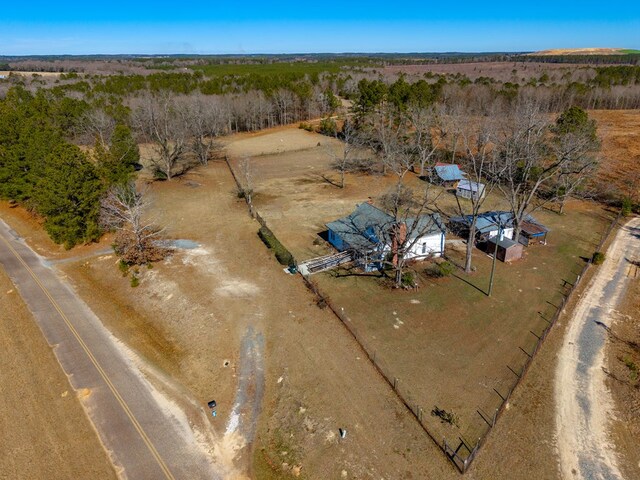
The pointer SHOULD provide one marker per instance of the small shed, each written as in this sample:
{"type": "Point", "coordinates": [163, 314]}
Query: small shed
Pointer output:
{"type": "Point", "coordinates": [507, 251]}
{"type": "Point", "coordinates": [448, 174]}
{"type": "Point", "coordinates": [532, 233]}
{"type": "Point", "coordinates": [470, 190]}
{"type": "Point", "coordinates": [488, 224]}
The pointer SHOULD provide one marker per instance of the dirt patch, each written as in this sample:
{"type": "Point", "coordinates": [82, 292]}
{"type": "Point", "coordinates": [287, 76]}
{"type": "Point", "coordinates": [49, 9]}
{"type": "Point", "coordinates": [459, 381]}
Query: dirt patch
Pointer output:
{"type": "Point", "coordinates": [44, 431]}
{"type": "Point", "coordinates": [199, 305]}
{"type": "Point", "coordinates": [271, 141]}
{"type": "Point", "coordinates": [623, 377]}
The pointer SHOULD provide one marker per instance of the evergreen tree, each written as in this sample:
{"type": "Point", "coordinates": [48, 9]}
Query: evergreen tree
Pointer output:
{"type": "Point", "coordinates": [68, 196]}
{"type": "Point", "coordinates": [117, 164]}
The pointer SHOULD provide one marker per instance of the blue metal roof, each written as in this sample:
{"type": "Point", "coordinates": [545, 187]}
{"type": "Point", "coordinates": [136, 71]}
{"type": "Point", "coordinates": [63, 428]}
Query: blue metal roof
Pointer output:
{"type": "Point", "coordinates": [367, 226]}
{"type": "Point", "coordinates": [489, 221]}
{"type": "Point", "coordinates": [449, 173]}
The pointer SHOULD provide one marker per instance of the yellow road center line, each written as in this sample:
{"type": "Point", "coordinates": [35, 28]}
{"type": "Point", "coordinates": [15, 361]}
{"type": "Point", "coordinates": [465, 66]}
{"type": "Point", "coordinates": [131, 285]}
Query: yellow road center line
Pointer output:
{"type": "Point", "coordinates": [95, 362]}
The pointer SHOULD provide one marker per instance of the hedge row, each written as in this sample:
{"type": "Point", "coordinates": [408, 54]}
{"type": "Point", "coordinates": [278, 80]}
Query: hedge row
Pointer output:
{"type": "Point", "coordinates": [282, 254]}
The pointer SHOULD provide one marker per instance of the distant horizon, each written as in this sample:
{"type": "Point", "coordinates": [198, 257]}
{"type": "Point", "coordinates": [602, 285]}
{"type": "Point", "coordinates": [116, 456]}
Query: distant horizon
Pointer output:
{"type": "Point", "coordinates": [293, 54]}
{"type": "Point", "coordinates": [254, 28]}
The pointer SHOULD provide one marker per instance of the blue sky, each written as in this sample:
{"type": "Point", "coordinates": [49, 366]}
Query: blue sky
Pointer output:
{"type": "Point", "coordinates": [248, 26]}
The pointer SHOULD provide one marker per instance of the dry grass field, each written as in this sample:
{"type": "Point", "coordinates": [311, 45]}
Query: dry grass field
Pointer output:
{"type": "Point", "coordinates": [44, 431]}
{"type": "Point", "coordinates": [448, 344]}
{"type": "Point", "coordinates": [189, 314]}
{"type": "Point", "coordinates": [620, 134]}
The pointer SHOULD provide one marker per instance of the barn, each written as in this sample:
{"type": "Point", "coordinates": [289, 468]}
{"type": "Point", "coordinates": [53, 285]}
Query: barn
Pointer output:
{"type": "Point", "coordinates": [447, 174]}
{"type": "Point", "coordinates": [470, 190]}
{"type": "Point", "coordinates": [368, 233]}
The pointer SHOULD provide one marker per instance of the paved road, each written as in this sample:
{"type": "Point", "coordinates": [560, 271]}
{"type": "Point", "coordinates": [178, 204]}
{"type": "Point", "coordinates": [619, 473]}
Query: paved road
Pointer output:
{"type": "Point", "coordinates": [147, 436]}
{"type": "Point", "coordinates": [583, 402]}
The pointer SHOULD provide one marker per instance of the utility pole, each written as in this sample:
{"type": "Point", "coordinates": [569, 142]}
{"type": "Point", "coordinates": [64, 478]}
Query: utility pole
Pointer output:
{"type": "Point", "coordinates": [493, 263]}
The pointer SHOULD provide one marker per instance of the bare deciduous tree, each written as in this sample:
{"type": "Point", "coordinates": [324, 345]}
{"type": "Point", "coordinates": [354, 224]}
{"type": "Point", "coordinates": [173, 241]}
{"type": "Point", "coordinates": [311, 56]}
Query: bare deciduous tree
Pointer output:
{"type": "Point", "coordinates": [427, 135]}
{"type": "Point", "coordinates": [165, 123]}
{"type": "Point", "coordinates": [246, 180]}
{"type": "Point", "coordinates": [206, 122]}
{"type": "Point", "coordinates": [345, 159]}
{"type": "Point", "coordinates": [478, 164]}
{"type": "Point", "coordinates": [124, 209]}
{"type": "Point", "coordinates": [98, 126]}
{"type": "Point", "coordinates": [522, 164]}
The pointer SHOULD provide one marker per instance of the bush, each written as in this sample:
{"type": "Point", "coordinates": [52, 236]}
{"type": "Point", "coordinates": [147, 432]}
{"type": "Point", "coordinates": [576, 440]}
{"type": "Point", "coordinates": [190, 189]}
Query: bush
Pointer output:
{"type": "Point", "coordinates": [135, 281]}
{"type": "Point", "coordinates": [328, 127]}
{"type": "Point", "coordinates": [598, 258]}
{"type": "Point", "coordinates": [439, 270]}
{"type": "Point", "coordinates": [408, 279]}
{"type": "Point", "coordinates": [282, 254]}
{"type": "Point", "coordinates": [123, 267]}
{"type": "Point", "coordinates": [306, 126]}
{"type": "Point", "coordinates": [627, 206]}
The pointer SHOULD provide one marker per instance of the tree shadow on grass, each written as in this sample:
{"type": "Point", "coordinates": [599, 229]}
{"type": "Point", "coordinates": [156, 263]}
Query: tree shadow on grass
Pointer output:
{"type": "Point", "coordinates": [469, 283]}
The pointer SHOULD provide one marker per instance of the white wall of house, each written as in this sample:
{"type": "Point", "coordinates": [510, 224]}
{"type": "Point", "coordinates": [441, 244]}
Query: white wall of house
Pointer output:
{"type": "Point", "coordinates": [466, 191]}
{"type": "Point", "coordinates": [428, 245]}
{"type": "Point", "coordinates": [508, 233]}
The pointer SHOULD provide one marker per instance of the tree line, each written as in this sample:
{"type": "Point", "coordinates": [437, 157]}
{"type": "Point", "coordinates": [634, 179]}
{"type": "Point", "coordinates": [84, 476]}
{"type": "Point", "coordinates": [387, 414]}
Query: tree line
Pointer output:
{"type": "Point", "coordinates": [41, 170]}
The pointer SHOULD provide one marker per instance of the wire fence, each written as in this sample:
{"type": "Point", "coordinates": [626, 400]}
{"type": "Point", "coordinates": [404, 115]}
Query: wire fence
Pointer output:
{"type": "Point", "coordinates": [462, 450]}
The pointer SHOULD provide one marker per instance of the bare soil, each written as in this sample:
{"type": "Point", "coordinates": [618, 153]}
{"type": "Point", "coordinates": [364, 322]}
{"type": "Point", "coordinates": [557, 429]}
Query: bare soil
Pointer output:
{"type": "Point", "coordinates": [44, 431]}
{"type": "Point", "coordinates": [189, 314]}
{"type": "Point", "coordinates": [188, 317]}
{"type": "Point", "coordinates": [623, 376]}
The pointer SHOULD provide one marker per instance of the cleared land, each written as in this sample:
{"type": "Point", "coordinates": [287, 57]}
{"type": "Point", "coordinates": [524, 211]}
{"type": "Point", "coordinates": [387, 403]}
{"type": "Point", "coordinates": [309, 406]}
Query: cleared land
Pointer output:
{"type": "Point", "coordinates": [190, 313]}
{"type": "Point", "coordinates": [44, 431]}
{"type": "Point", "coordinates": [620, 134]}
{"type": "Point", "coordinates": [448, 344]}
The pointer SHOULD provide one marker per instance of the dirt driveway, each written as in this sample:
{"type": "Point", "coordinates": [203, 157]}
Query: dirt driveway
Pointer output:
{"type": "Point", "coordinates": [583, 403]}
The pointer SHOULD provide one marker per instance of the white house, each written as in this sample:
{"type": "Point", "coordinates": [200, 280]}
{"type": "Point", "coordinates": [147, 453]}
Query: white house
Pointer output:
{"type": "Point", "coordinates": [469, 189]}
{"type": "Point", "coordinates": [369, 232]}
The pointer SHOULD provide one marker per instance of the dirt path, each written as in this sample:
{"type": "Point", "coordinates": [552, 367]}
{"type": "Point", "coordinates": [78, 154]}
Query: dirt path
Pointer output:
{"type": "Point", "coordinates": [243, 420]}
{"type": "Point", "coordinates": [583, 402]}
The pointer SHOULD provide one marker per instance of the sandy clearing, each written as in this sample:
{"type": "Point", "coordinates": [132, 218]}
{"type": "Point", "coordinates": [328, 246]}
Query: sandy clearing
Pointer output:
{"type": "Point", "coordinates": [583, 401]}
